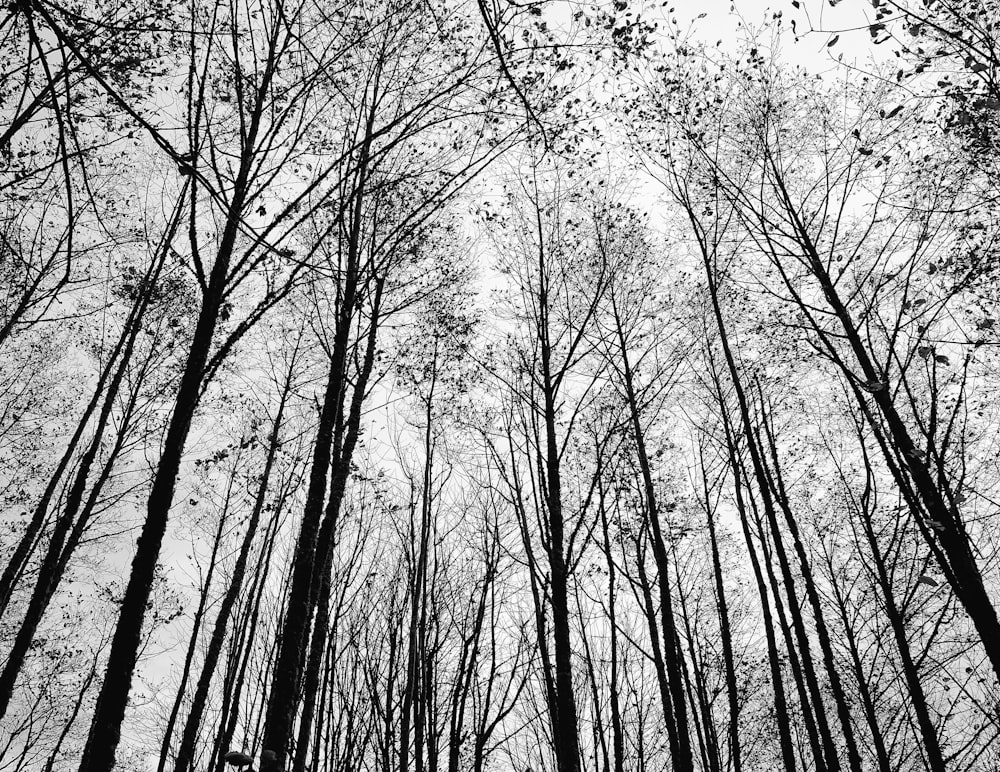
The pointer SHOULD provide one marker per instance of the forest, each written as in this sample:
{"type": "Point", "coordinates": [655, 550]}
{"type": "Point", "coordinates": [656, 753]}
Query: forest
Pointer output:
{"type": "Point", "coordinates": [499, 386]}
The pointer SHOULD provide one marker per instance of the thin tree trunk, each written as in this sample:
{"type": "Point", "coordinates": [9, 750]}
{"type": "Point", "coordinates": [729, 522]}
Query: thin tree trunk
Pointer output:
{"type": "Point", "coordinates": [192, 726]}
{"type": "Point", "coordinates": [732, 688]}
{"type": "Point", "coordinates": [617, 729]}
{"type": "Point", "coordinates": [832, 760]}
{"type": "Point", "coordinates": [199, 615]}
{"type": "Point", "coordinates": [941, 523]}
{"type": "Point", "coordinates": [325, 542]}
{"type": "Point", "coordinates": [122, 354]}
{"type": "Point", "coordinates": [283, 695]}
{"type": "Point", "coordinates": [683, 759]}
{"type": "Point", "coordinates": [928, 734]}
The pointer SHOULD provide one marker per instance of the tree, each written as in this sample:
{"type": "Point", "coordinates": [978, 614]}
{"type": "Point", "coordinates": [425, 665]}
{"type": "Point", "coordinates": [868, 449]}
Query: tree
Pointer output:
{"type": "Point", "coordinates": [557, 282]}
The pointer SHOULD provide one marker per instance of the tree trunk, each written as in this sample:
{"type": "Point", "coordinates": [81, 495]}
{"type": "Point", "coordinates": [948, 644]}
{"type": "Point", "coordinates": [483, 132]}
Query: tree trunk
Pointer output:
{"type": "Point", "coordinates": [192, 726]}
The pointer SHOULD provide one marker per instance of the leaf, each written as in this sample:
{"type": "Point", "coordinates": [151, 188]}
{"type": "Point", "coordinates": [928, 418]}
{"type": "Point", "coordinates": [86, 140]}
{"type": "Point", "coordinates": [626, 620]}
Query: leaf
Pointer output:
{"type": "Point", "coordinates": [941, 359]}
{"type": "Point", "coordinates": [930, 581]}
{"type": "Point", "coordinates": [833, 40]}
{"type": "Point", "coordinates": [924, 351]}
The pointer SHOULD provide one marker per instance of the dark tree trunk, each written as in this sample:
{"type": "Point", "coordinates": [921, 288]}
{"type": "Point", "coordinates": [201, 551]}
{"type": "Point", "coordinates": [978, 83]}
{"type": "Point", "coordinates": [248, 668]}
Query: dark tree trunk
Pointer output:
{"type": "Point", "coordinates": [566, 739]}
{"type": "Point", "coordinates": [673, 658]}
{"type": "Point", "coordinates": [284, 693]}
{"type": "Point", "coordinates": [763, 482]}
{"type": "Point", "coordinates": [941, 523]}
{"type": "Point", "coordinates": [732, 687]}
{"type": "Point", "coordinates": [328, 532]}
{"type": "Point", "coordinates": [107, 388]}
